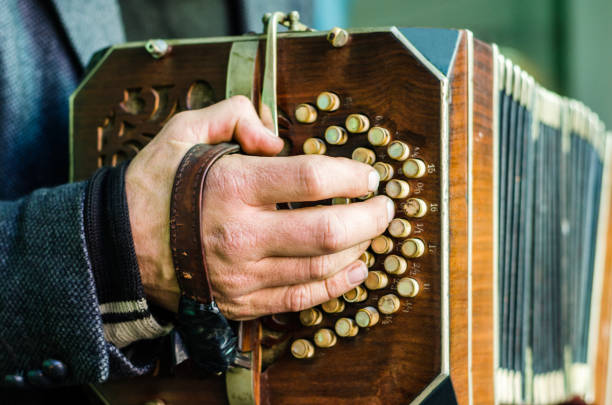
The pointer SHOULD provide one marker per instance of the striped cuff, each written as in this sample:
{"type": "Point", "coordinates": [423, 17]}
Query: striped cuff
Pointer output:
{"type": "Point", "coordinates": [126, 317]}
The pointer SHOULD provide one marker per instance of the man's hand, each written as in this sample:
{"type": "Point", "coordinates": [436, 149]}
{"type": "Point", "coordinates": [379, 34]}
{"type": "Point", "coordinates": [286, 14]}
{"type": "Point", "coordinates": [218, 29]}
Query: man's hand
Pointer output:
{"type": "Point", "coordinates": [260, 260]}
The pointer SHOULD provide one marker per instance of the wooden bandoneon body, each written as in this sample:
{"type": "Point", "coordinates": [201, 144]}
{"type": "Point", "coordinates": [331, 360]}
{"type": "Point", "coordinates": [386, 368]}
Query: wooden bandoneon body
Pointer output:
{"type": "Point", "coordinates": [487, 288]}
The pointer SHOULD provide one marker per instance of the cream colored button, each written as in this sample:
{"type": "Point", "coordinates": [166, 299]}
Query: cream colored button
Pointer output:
{"type": "Point", "coordinates": [341, 201]}
{"type": "Point", "coordinates": [311, 317]}
{"type": "Point", "coordinates": [367, 196]}
{"type": "Point", "coordinates": [328, 101]}
{"type": "Point", "coordinates": [408, 287]}
{"type": "Point", "coordinates": [357, 294]}
{"type": "Point", "coordinates": [335, 135]}
{"type": "Point", "coordinates": [397, 188]}
{"type": "Point", "coordinates": [415, 207]}
{"type": "Point", "coordinates": [379, 136]}
{"type": "Point", "coordinates": [302, 349]}
{"type": "Point", "coordinates": [333, 306]}
{"type": "Point", "coordinates": [399, 228]}
{"type": "Point", "coordinates": [367, 317]}
{"type": "Point", "coordinates": [398, 150]}
{"type": "Point", "coordinates": [395, 264]}
{"type": "Point", "coordinates": [367, 258]}
{"type": "Point", "coordinates": [346, 327]}
{"type": "Point", "coordinates": [357, 123]}
{"type": "Point", "coordinates": [376, 280]}
{"type": "Point", "coordinates": [413, 248]}
{"type": "Point", "coordinates": [305, 113]}
{"type": "Point", "coordinates": [414, 168]}
{"type": "Point", "coordinates": [388, 304]}
{"type": "Point", "coordinates": [385, 170]}
{"type": "Point", "coordinates": [325, 338]}
{"type": "Point", "coordinates": [381, 244]}
{"type": "Point", "coordinates": [314, 146]}
{"type": "Point", "coordinates": [364, 155]}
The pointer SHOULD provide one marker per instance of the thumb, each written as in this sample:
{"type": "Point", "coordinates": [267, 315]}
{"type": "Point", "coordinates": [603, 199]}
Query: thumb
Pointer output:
{"type": "Point", "coordinates": [232, 119]}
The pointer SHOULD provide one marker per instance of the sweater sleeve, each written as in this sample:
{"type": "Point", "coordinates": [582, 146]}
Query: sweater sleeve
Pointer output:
{"type": "Point", "coordinates": [49, 305]}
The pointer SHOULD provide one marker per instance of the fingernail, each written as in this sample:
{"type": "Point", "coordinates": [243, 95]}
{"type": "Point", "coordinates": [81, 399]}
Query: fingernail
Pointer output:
{"type": "Point", "coordinates": [373, 180]}
{"type": "Point", "coordinates": [358, 273]}
{"type": "Point", "coordinates": [390, 209]}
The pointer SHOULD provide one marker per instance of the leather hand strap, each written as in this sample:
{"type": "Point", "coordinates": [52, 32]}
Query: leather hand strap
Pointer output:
{"type": "Point", "coordinates": [185, 222]}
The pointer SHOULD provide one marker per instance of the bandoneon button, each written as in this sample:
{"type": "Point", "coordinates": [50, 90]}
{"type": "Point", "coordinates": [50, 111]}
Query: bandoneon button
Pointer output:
{"type": "Point", "coordinates": [408, 287]}
{"type": "Point", "coordinates": [341, 201]}
{"type": "Point", "coordinates": [415, 207]}
{"type": "Point", "coordinates": [367, 317]}
{"type": "Point", "coordinates": [395, 264]}
{"type": "Point", "coordinates": [305, 114]}
{"type": "Point", "coordinates": [399, 228]}
{"type": "Point", "coordinates": [302, 349]}
{"type": "Point", "coordinates": [385, 170]}
{"type": "Point", "coordinates": [397, 188]}
{"type": "Point", "coordinates": [333, 306]}
{"type": "Point", "coordinates": [364, 155]}
{"type": "Point", "coordinates": [398, 150]}
{"type": "Point", "coordinates": [367, 258]}
{"type": "Point", "coordinates": [376, 280]}
{"type": "Point", "coordinates": [311, 317]}
{"type": "Point", "coordinates": [335, 135]}
{"type": "Point", "coordinates": [379, 136]}
{"type": "Point", "coordinates": [357, 294]}
{"type": "Point", "coordinates": [414, 168]}
{"type": "Point", "coordinates": [328, 101]}
{"type": "Point", "coordinates": [388, 304]}
{"type": "Point", "coordinates": [314, 146]}
{"type": "Point", "coordinates": [346, 327]}
{"type": "Point", "coordinates": [381, 245]}
{"type": "Point", "coordinates": [325, 338]}
{"type": "Point", "coordinates": [357, 123]}
{"type": "Point", "coordinates": [413, 248]}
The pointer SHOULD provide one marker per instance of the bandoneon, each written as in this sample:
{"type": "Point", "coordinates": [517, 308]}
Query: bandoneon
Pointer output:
{"type": "Point", "coordinates": [492, 285]}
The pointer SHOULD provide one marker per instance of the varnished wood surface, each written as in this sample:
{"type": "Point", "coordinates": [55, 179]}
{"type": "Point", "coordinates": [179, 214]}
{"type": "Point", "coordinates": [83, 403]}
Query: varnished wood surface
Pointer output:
{"type": "Point", "coordinates": [374, 75]}
{"type": "Point", "coordinates": [482, 226]}
{"type": "Point", "coordinates": [459, 195]}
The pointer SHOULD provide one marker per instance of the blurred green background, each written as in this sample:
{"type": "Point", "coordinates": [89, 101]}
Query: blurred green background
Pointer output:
{"type": "Point", "coordinates": [565, 44]}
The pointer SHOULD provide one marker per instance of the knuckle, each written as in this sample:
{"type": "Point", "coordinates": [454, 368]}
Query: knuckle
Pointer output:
{"type": "Point", "coordinates": [311, 178]}
{"type": "Point", "coordinates": [332, 232]}
{"type": "Point", "coordinates": [297, 298]}
{"type": "Point", "coordinates": [317, 267]}
{"type": "Point", "coordinates": [241, 103]}
{"type": "Point", "coordinates": [230, 238]}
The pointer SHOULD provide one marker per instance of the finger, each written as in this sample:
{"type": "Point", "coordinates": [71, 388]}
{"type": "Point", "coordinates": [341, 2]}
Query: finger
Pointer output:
{"type": "Point", "coordinates": [317, 231]}
{"type": "Point", "coordinates": [298, 297]}
{"type": "Point", "coordinates": [234, 118]}
{"type": "Point", "coordinates": [308, 178]}
{"type": "Point", "coordinates": [282, 271]}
